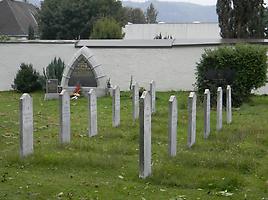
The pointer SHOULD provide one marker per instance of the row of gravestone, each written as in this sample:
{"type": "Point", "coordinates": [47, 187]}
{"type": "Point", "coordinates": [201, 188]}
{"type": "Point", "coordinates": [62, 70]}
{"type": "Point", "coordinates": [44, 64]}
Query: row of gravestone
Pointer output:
{"type": "Point", "coordinates": [142, 107]}
{"type": "Point", "coordinates": [26, 115]}
{"type": "Point", "coordinates": [145, 124]}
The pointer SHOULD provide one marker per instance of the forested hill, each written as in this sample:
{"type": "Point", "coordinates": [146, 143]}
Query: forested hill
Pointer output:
{"type": "Point", "coordinates": [178, 11]}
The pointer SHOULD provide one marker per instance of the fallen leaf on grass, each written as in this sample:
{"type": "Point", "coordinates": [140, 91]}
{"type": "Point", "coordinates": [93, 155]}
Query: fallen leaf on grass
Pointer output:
{"type": "Point", "coordinates": [225, 193]}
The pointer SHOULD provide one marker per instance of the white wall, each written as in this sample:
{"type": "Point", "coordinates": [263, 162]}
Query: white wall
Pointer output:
{"type": "Point", "coordinates": [177, 31]}
{"type": "Point", "coordinates": [171, 68]}
{"type": "Point", "coordinates": [40, 55]}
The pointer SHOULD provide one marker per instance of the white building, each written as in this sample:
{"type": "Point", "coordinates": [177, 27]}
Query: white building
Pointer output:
{"type": "Point", "coordinates": [176, 31]}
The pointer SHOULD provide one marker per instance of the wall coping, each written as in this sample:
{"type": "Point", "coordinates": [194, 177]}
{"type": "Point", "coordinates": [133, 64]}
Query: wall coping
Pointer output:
{"type": "Point", "coordinates": [164, 43]}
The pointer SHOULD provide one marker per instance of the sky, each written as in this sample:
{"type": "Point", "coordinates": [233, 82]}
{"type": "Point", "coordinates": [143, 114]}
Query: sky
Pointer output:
{"type": "Point", "coordinates": [202, 2]}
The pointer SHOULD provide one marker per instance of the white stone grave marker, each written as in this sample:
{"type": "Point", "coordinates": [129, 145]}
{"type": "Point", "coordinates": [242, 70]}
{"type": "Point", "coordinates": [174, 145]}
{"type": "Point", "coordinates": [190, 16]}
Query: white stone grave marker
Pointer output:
{"type": "Point", "coordinates": [65, 115]}
{"type": "Point", "coordinates": [116, 106]}
{"type": "Point", "coordinates": [145, 135]}
{"type": "Point", "coordinates": [92, 112]}
{"type": "Point", "coordinates": [219, 109]}
{"type": "Point", "coordinates": [191, 119]}
{"type": "Point", "coordinates": [26, 125]}
{"type": "Point", "coordinates": [172, 126]}
{"type": "Point", "coordinates": [135, 101]}
{"type": "Point", "coordinates": [206, 113]}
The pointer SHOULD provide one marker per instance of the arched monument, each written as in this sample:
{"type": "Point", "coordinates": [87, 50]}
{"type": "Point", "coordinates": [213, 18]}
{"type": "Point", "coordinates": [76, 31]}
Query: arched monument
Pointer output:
{"type": "Point", "coordinates": [85, 71]}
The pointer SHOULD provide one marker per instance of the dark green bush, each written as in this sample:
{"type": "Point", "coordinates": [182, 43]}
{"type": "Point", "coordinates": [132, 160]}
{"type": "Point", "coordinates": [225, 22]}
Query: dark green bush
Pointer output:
{"type": "Point", "coordinates": [4, 38]}
{"type": "Point", "coordinates": [242, 66]}
{"type": "Point", "coordinates": [54, 70]}
{"type": "Point", "coordinates": [27, 79]}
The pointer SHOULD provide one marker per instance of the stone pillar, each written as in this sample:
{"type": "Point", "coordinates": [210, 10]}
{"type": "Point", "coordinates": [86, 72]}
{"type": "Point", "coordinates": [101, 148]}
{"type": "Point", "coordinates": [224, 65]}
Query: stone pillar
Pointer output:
{"type": "Point", "coordinates": [116, 106]}
{"type": "Point", "coordinates": [65, 117]}
{"type": "Point", "coordinates": [153, 96]}
{"type": "Point", "coordinates": [172, 126]}
{"type": "Point", "coordinates": [145, 136]}
{"type": "Point", "coordinates": [229, 104]}
{"type": "Point", "coordinates": [135, 101]}
{"type": "Point", "coordinates": [92, 113]}
{"type": "Point", "coordinates": [219, 109]}
{"type": "Point", "coordinates": [191, 119]}
{"type": "Point", "coordinates": [206, 113]}
{"type": "Point", "coordinates": [26, 125]}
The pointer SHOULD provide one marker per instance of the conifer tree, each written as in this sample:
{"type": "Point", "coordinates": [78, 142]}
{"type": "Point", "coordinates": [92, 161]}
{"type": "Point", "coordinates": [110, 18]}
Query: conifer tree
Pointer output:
{"type": "Point", "coordinates": [151, 14]}
{"type": "Point", "coordinates": [240, 18]}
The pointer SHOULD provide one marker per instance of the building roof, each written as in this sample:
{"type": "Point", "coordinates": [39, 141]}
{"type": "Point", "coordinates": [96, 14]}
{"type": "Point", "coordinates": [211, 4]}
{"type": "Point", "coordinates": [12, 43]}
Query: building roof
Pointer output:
{"type": "Point", "coordinates": [16, 17]}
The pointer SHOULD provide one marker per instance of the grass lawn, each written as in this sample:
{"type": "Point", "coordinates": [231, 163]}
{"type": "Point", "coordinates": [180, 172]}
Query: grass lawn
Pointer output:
{"type": "Point", "coordinates": [231, 164]}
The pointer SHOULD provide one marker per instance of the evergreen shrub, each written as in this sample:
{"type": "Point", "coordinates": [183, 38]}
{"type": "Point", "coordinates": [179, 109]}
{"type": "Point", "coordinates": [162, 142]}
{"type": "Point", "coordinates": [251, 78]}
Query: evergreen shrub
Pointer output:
{"type": "Point", "coordinates": [27, 79]}
{"type": "Point", "coordinates": [242, 66]}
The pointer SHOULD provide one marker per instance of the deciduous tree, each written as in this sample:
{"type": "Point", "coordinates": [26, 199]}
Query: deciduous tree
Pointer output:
{"type": "Point", "coordinates": [74, 19]}
{"type": "Point", "coordinates": [106, 28]}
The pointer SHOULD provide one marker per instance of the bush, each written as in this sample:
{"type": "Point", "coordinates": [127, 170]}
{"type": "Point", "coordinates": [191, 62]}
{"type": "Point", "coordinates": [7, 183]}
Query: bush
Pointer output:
{"type": "Point", "coordinates": [242, 66]}
{"type": "Point", "coordinates": [4, 38]}
{"type": "Point", "coordinates": [54, 70]}
{"type": "Point", "coordinates": [27, 79]}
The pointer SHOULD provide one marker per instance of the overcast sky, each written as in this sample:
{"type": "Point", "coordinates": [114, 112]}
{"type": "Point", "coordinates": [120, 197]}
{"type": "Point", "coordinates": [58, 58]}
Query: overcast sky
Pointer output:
{"type": "Point", "coordinates": [202, 2]}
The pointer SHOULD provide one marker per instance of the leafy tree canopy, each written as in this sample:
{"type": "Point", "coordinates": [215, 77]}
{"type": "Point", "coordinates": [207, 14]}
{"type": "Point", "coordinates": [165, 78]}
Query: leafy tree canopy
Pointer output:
{"type": "Point", "coordinates": [134, 15]}
{"type": "Point", "coordinates": [106, 28]}
{"type": "Point", "coordinates": [74, 19]}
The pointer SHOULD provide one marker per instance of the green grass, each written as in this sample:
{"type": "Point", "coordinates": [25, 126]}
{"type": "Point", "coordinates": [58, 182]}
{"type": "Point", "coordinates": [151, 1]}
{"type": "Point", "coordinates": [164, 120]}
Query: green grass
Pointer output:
{"type": "Point", "coordinates": [234, 160]}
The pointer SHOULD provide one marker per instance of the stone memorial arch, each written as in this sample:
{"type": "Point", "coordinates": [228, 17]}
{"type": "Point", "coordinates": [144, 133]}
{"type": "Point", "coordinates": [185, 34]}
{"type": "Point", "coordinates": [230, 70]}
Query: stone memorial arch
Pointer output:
{"type": "Point", "coordinates": [85, 71]}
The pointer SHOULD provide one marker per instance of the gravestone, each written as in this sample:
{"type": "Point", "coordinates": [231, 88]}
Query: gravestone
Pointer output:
{"type": "Point", "coordinates": [116, 106]}
{"type": "Point", "coordinates": [135, 101]}
{"type": "Point", "coordinates": [172, 126]}
{"type": "Point", "coordinates": [191, 119]}
{"type": "Point", "coordinates": [229, 104]}
{"type": "Point", "coordinates": [26, 125]}
{"type": "Point", "coordinates": [153, 96]}
{"type": "Point", "coordinates": [145, 136]}
{"type": "Point", "coordinates": [219, 109]}
{"type": "Point", "coordinates": [206, 113]}
{"type": "Point", "coordinates": [65, 115]}
{"type": "Point", "coordinates": [92, 112]}
{"type": "Point", "coordinates": [52, 91]}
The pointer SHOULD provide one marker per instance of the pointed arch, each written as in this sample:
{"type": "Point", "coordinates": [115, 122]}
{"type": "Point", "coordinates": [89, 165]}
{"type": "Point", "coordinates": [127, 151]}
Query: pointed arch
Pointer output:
{"type": "Point", "coordinates": [86, 71]}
